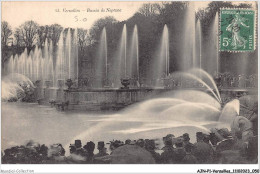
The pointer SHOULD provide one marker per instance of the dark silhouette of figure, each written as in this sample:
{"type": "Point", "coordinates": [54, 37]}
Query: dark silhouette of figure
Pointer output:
{"type": "Point", "coordinates": [128, 141]}
{"type": "Point", "coordinates": [140, 143]}
{"type": "Point", "coordinates": [168, 155]}
{"type": "Point", "coordinates": [189, 157]}
{"type": "Point", "coordinates": [102, 150]}
{"type": "Point", "coordinates": [252, 150]}
{"type": "Point", "coordinates": [79, 150]}
{"type": "Point", "coordinates": [150, 147]}
{"type": "Point", "coordinates": [115, 144]}
{"type": "Point", "coordinates": [202, 151]}
{"type": "Point", "coordinates": [62, 150]}
{"type": "Point", "coordinates": [239, 144]}
{"type": "Point", "coordinates": [187, 143]}
{"type": "Point", "coordinates": [89, 148]}
{"type": "Point", "coordinates": [179, 151]}
{"type": "Point", "coordinates": [72, 149]}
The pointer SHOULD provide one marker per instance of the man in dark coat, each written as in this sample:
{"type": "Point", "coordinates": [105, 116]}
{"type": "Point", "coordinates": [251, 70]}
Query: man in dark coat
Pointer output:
{"type": "Point", "coordinates": [179, 151]}
{"type": "Point", "coordinates": [102, 150]}
{"type": "Point", "coordinates": [168, 155]}
{"type": "Point", "coordinates": [202, 151]}
{"type": "Point", "coordinates": [187, 143]}
{"type": "Point", "coordinates": [150, 147]}
{"type": "Point", "coordinates": [89, 147]}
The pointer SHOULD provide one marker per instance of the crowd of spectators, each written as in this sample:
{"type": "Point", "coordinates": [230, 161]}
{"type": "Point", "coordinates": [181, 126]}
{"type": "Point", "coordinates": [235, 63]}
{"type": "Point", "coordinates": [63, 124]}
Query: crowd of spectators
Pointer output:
{"type": "Point", "coordinates": [219, 147]}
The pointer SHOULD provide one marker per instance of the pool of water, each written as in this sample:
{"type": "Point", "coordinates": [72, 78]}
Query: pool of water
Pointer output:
{"type": "Point", "coordinates": [152, 119]}
{"type": "Point", "coordinates": [22, 122]}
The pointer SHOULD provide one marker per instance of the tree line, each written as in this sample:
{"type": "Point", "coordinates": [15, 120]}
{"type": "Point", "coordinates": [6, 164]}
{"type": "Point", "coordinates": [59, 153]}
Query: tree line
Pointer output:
{"type": "Point", "coordinates": [150, 19]}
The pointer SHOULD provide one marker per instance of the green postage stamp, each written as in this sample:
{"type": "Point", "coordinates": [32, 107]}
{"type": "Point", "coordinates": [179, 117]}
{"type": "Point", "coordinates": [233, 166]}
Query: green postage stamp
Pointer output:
{"type": "Point", "coordinates": [237, 30]}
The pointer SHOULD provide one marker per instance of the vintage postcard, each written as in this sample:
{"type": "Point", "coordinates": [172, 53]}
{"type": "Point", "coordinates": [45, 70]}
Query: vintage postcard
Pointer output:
{"type": "Point", "coordinates": [137, 82]}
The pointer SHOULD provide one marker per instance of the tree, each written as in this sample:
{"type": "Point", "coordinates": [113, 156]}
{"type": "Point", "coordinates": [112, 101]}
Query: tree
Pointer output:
{"type": "Point", "coordinates": [28, 32]}
{"type": "Point", "coordinates": [42, 34]}
{"type": "Point", "coordinates": [150, 9]}
{"type": "Point", "coordinates": [5, 34]}
{"type": "Point", "coordinates": [18, 41]}
{"type": "Point", "coordinates": [54, 33]}
{"type": "Point", "coordinates": [82, 37]}
{"type": "Point", "coordinates": [98, 26]}
{"type": "Point", "coordinates": [206, 15]}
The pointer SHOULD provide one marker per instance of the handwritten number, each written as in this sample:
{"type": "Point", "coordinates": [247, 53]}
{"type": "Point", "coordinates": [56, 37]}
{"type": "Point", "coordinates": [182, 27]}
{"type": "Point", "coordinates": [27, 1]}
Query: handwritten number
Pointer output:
{"type": "Point", "coordinates": [76, 18]}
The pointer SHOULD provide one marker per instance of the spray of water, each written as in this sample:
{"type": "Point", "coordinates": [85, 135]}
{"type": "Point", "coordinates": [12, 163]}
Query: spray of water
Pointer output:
{"type": "Point", "coordinates": [157, 117]}
{"type": "Point", "coordinates": [205, 74]}
{"type": "Point", "coordinates": [11, 85]}
{"type": "Point", "coordinates": [101, 68]}
{"type": "Point", "coordinates": [134, 55]}
{"type": "Point", "coordinates": [192, 76]}
{"type": "Point", "coordinates": [229, 112]}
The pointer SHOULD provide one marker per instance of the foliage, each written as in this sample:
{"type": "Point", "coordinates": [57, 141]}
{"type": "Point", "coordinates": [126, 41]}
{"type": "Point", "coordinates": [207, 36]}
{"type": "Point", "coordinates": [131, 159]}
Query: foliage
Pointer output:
{"type": "Point", "coordinates": [150, 19]}
{"type": "Point", "coordinates": [206, 15]}
{"type": "Point", "coordinates": [6, 32]}
{"type": "Point", "coordinates": [28, 31]}
{"type": "Point", "coordinates": [82, 38]}
{"type": "Point", "coordinates": [98, 26]}
{"type": "Point", "coordinates": [54, 32]}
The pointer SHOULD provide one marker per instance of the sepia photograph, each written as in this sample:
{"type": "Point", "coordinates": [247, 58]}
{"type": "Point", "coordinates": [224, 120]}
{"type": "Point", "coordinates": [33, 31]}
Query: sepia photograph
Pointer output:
{"type": "Point", "coordinates": [137, 82]}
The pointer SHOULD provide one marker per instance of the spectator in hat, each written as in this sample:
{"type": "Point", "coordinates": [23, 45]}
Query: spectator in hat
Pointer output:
{"type": "Point", "coordinates": [202, 151]}
{"type": "Point", "coordinates": [179, 151]}
{"type": "Point", "coordinates": [79, 150]}
{"type": "Point", "coordinates": [140, 143]}
{"type": "Point", "coordinates": [168, 155]}
{"type": "Point", "coordinates": [186, 142]}
{"type": "Point", "coordinates": [89, 148]}
{"type": "Point", "coordinates": [102, 150]}
{"type": "Point", "coordinates": [78, 144]}
{"type": "Point", "coordinates": [239, 145]}
{"type": "Point", "coordinates": [252, 150]}
{"type": "Point", "coordinates": [128, 141]}
{"type": "Point", "coordinates": [227, 141]}
{"type": "Point", "coordinates": [115, 144]}
{"type": "Point", "coordinates": [62, 150]}
{"type": "Point", "coordinates": [150, 147]}
{"type": "Point", "coordinates": [189, 157]}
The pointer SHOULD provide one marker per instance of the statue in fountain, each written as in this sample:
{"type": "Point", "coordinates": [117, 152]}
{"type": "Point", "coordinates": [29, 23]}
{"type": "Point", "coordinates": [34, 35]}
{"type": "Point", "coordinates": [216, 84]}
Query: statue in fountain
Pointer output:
{"type": "Point", "coordinates": [69, 83]}
{"type": "Point", "coordinates": [125, 82]}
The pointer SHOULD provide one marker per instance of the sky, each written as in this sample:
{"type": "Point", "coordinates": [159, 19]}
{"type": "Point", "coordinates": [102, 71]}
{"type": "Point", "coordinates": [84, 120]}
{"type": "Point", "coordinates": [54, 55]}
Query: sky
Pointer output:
{"type": "Point", "coordinates": [46, 13]}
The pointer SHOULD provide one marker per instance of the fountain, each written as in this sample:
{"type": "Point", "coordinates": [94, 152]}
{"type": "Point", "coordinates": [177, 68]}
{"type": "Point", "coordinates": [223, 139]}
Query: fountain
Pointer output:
{"type": "Point", "coordinates": [101, 72]}
{"type": "Point", "coordinates": [215, 35]}
{"type": "Point", "coordinates": [188, 60]}
{"type": "Point", "coordinates": [53, 69]}
{"type": "Point", "coordinates": [198, 47]}
{"type": "Point", "coordinates": [50, 65]}
{"type": "Point", "coordinates": [211, 46]}
{"type": "Point", "coordinates": [185, 112]}
{"type": "Point", "coordinates": [60, 63]}
{"type": "Point", "coordinates": [134, 56]}
{"type": "Point", "coordinates": [76, 62]}
{"type": "Point", "coordinates": [124, 77]}
{"type": "Point", "coordinates": [161, 65]}
{"type": "Point", "coordinates": [67, 55]}
{"type": "Point", "coordinates": [123, 46]}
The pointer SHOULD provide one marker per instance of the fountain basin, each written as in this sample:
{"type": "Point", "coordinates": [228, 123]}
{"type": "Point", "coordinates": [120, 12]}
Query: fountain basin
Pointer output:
{"type": "Point", "coordinates": [114, 98]}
